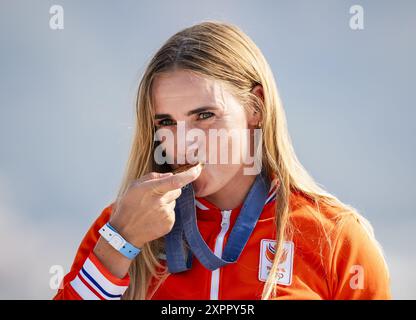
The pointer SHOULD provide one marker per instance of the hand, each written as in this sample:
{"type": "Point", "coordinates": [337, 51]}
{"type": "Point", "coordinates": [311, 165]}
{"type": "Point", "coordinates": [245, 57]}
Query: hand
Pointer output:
{"type": "Point", "coordinates": [146, 211]}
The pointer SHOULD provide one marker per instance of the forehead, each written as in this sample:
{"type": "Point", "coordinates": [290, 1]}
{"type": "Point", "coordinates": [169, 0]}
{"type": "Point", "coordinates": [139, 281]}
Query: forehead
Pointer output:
{"type": "Point", "coordinates": [185, 89]}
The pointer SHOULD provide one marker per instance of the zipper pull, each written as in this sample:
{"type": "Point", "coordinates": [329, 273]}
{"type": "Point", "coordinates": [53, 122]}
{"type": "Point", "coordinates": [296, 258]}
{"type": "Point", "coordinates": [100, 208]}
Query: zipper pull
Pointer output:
{"type": "Point", "coordinates": [225, 217]}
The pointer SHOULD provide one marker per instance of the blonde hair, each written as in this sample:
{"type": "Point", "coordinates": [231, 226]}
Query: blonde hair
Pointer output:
{"type": "Point", "coordinates": [223, 52]}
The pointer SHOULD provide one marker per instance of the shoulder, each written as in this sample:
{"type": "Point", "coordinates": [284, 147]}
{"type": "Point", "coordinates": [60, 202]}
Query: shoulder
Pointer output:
{"type": "Point", "coordinates": [344, 244]}
{"type": "Point", "coordinates": [314, 221]}
{"type": "Point", "coordinates": [319, 218]}
{"type": "Point", "coordinates": [357, 265]}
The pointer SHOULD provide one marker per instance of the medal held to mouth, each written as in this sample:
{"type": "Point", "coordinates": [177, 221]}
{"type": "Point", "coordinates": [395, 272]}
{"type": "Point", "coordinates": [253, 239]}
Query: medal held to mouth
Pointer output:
{"type": "Point", "coordinates": [186, 167]}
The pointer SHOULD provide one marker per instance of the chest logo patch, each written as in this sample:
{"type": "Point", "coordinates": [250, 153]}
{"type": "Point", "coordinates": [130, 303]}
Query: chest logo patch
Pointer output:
{"type": "Point", "coordinates": [285, 267]}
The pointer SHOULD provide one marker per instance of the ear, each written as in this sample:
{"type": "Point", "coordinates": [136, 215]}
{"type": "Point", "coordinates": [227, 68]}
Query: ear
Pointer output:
{"type": "Point", "coordinates": [255, 117]}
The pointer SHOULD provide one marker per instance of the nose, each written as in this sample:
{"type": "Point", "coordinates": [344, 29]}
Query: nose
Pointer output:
{"type": "Point", "coordinates": [190, 144]}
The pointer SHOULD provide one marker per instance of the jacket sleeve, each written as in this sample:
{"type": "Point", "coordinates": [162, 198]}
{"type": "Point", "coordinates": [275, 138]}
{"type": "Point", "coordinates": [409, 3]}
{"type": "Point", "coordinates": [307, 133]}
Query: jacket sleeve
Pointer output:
{"type": "Point", "coordinates": [358, 267]}
{"type": "Point", "coordinates": [88, 279]}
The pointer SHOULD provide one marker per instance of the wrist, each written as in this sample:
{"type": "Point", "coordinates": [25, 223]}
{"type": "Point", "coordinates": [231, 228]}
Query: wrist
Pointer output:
{"type": "Point", "coordinates": [111, 259]}
{"type": "Point", "coordinates": [138, 243]}
{"type": "Point", "coordinates": [117, 241]}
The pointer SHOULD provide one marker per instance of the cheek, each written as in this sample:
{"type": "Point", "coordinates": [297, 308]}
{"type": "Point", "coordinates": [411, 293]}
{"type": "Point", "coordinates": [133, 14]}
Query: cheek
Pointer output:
{"type": "Point", "coordinates": [225, 144]}
{"type": "Point", "coordinates": [231, 147]}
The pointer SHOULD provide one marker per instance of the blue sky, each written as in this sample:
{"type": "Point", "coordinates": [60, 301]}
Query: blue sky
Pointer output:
{"type": "Point", "coordinates": [66, 114]}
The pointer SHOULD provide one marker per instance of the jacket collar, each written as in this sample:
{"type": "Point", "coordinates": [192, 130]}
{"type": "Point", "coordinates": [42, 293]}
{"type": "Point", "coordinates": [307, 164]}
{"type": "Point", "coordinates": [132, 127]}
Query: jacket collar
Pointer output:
{"type": "Point", "coordinates": [207, 211]}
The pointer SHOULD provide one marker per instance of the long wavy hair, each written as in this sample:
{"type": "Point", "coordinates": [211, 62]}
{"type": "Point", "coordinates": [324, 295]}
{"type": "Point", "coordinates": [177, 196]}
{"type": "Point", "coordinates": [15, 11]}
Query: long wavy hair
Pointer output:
{"type": "Point", "coordinates": [223, 52]}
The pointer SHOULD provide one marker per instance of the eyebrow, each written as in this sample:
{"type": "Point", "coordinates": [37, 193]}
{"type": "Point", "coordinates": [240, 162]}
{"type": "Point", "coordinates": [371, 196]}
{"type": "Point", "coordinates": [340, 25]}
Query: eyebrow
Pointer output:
{"type": "Point", "coordinates": [189, 113]}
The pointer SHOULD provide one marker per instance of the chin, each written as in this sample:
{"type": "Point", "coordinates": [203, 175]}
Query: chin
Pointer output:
{"type": "Point", "coordinates": [202, 188]}
{"type": "Point", "coordinates": [199, 190]}
{"type": "Point", "coordinates": [208, 184]}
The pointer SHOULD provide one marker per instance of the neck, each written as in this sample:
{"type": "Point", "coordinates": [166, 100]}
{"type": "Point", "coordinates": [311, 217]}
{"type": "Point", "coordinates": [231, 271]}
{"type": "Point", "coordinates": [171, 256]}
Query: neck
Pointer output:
{"type": "Point", "coordinates": [229, 197]}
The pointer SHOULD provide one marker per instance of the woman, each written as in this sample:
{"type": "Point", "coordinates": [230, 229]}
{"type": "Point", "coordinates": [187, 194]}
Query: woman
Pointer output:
{"type": "Point", "coordinates": [219, 231]}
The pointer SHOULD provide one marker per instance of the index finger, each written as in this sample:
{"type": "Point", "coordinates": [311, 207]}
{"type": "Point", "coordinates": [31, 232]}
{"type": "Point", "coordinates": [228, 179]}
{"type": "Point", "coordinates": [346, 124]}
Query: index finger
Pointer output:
{"type": "Point", "coordinates": [176, 181]}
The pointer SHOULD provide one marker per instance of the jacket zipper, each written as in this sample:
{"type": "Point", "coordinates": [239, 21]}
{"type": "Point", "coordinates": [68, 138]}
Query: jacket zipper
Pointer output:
{"type": "Point", "coordinates": [215, 275]}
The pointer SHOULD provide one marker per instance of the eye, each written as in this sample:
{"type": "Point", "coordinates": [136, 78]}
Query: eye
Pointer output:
{"type": "Point", "coordinates": [166, 122]}
{"type": "Point", "coordinates": [205, 115]}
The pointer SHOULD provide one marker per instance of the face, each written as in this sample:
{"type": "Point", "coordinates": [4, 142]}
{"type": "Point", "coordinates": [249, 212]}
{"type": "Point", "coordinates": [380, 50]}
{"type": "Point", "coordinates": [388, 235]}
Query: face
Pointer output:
{"type": "Point", "coordinates": [185, 104]}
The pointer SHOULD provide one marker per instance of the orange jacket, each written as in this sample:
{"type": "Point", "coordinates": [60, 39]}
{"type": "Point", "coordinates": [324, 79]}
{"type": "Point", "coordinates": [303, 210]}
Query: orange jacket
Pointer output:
{"type": "Point", "coordinates": [350, 268]}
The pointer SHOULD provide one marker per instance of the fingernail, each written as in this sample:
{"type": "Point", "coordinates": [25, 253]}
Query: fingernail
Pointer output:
{"type": "Point", "coordinates": [166, 174]}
